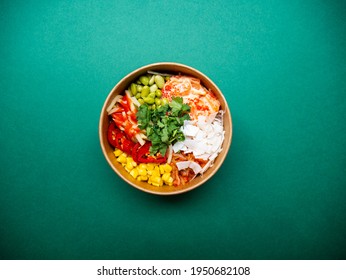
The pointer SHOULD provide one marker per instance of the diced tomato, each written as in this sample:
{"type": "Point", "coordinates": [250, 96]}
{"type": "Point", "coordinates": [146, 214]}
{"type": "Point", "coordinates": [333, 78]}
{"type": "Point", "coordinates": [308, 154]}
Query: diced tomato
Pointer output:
{"type": "Point", "coordinates": [111, 135]}
{"type": "Point", "coordinates": [124, 127]}
{"type": "Point", "coordinates": [118, 139]}
{"type": "Point", "coordinates": [125, 105]}
{"type": "Point", "coordinates": [125, 116]}
{"type": "Point", "coordinates": [142, 155]}
{"type": "Point", "coordinates": [134, 152]}
{"type": "Point", "coordinates": [127, 146]}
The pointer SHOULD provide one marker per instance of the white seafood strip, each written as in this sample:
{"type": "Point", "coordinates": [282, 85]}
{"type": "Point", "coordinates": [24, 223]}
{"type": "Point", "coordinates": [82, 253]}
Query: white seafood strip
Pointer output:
{"type": "Point", "coordinates": [203, 138]}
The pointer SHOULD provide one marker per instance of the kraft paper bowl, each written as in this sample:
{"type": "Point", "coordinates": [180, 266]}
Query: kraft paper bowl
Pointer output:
{"type": "Point", "coordinates": [121, 86]}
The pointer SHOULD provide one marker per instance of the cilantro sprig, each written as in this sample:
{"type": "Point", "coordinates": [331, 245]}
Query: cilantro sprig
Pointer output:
{"type": "Point", "coordinates": [163, 124]}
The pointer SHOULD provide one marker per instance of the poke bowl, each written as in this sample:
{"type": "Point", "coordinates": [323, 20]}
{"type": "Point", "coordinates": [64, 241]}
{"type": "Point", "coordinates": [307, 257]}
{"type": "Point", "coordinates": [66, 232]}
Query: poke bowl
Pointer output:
{"type": "Point", "coordinates": [165, 128]}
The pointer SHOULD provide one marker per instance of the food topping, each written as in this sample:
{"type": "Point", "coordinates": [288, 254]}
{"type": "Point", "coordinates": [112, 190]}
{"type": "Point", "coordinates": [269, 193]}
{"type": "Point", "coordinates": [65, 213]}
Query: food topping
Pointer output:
{"type": "Point", "coordinates": [162, 125]}
{"type": "Point", "coordinates": [203, 137]}
{"type": "Point", "coordinates": [153, 173]}
{"type": "Point", "coordinates": [142, 154]}
{"type": "Point", "coordinates": [202, 101]}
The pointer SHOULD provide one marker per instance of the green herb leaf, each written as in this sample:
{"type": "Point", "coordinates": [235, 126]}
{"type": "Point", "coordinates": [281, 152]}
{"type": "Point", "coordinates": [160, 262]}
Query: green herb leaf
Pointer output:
{"type": "Point", "coordinates": [143, 116]}
{"type": "Point", "coordinates": [163, 124]}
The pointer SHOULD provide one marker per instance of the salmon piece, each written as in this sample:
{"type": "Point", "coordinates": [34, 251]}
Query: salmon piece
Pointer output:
{"type": "Point", "coordinates": [201, 100]}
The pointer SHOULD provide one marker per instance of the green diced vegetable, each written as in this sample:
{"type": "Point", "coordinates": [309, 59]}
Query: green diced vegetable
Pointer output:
{"type": "Point", "coordinates": [144, 80]}
{"type": "Point", "coordinates": [145, 91]}
{"type": "Point", "coordinates": [133, 89]}
{"type": "Point", "coordinates": [152, 80]}
{"type": "Point", "coordinates": [153, 88]}
{"type": "Point", "coordinates": [159, 81]}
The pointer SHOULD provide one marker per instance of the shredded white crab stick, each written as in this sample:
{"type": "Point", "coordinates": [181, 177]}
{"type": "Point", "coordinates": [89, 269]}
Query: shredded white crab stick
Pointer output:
{"type": "Point", "coordinates": [203, 138]}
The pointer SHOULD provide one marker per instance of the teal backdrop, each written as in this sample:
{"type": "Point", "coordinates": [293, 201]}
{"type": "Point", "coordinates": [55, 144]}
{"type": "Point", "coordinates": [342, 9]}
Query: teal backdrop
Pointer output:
{"type": "Point", "coordinates": [281, 192]}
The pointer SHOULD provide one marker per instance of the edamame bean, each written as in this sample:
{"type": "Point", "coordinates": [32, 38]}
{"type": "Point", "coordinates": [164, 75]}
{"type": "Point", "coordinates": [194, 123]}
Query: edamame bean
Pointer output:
{"type": "Point", "coordinates": [133, 89]}
{"type": "Point", "coordinates": [159, 81]}
{"type": "Point", "coordinates": [166, 78]}
{"type": "Point", "coordinates": [157, 101]}
{"type": "Point", "coordinates": [145, 91]}
{"type": "Point", "coordinates": [158, 93]}
{"type": "Point", "coordinates": [149, 100]}
{"type": "Point", "coordinates": [151, 80]}
{"type": "Point", "coordinates": [153, 88]}
{"type": "Point", "coordinates": [139, 88]}
{"type": "Point", "coordinates": [144, 80]}
{"type": "Point", "coordinates": [152, 95]}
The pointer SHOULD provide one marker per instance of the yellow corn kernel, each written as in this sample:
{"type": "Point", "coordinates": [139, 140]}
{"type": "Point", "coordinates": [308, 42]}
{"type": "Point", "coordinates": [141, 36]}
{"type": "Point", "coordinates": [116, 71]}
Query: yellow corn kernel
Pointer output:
{"type": "Point", "coordinates": [162, 169]}
{"type": "Point", "coordinates": [142, 178]}
{"type": "Point", "coordinates": [142, 166]}
{"type": "Point", "coordinates": [150, 172]}
{"type": "Point", "coordinates": [117, 152]}
{"type": "Point", "coordinates": [159, 184]}
{"type": "Point", "coordinates": [166, 176]}
{"type": "Point", "coordinates": [129, 167]}
{"type": "Point", "coordinates": [156, 180]}
{"type": "Point", "coordinates": [142, 172]}
{"type": "Point", "coordinates": [134, 173]}
{"type": "Point", "coordinates": [122, 158]}
{"type": "Point", "coordinates": [167, 168]}
{"type": "Point", "coordinates": [130, 160]}
{"type": "Point", "coordinates": [150, 166]}
{"type": "Point", "coordinates": [156, 171]}
{"type": "Point", "coordinates": [170, 181]}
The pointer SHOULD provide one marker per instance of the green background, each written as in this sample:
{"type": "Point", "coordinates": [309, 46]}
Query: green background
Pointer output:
{"type": "Point", "coordinates": [280, 193]}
